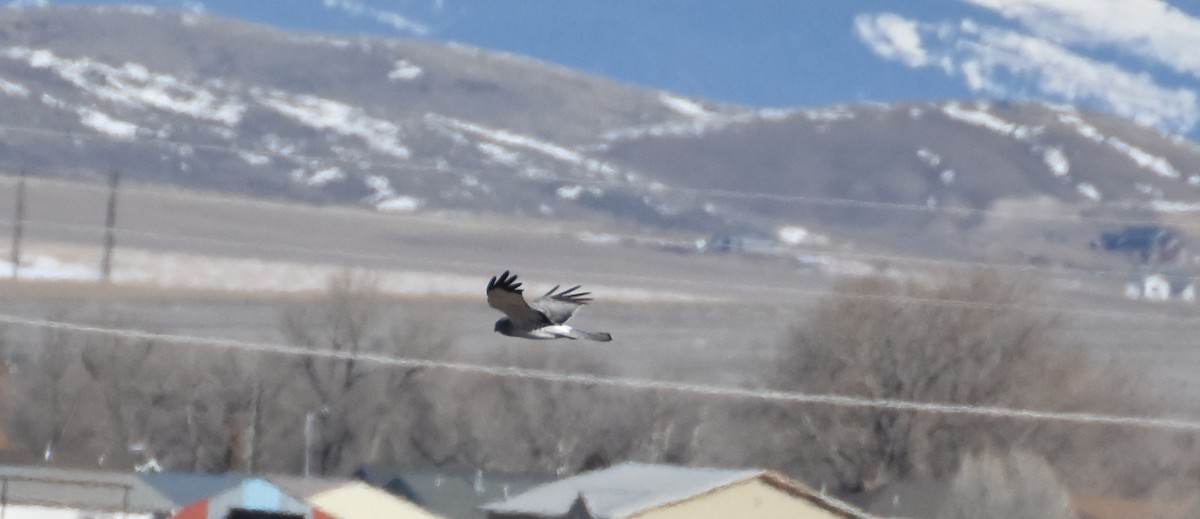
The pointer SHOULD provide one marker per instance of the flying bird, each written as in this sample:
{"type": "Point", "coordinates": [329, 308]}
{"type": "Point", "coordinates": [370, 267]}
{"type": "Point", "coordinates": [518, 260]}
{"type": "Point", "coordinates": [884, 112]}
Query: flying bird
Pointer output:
{"type": "Point", "coordinates": [544, 318]}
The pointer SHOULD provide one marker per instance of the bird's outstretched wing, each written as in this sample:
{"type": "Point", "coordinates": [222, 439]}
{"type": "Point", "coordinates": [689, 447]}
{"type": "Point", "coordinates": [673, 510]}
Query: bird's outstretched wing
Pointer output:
{"type": "Point", "coordinates": [504, 294]}
{"type": "Point", "coordinates": [558, 307]}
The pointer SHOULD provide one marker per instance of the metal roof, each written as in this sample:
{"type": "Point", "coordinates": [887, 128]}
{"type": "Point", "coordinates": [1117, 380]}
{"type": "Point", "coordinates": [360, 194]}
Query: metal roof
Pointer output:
{"type": "Point", "coordinates": [185, 488]}
{"type": "Point", "coordinates": [306, 487]}
{"type": "Point", "coordinates": [621, 490]}
{"type": "Point", "coordinates": [82, 489]}
{"type": "Point", "coordinates": [454, 493]}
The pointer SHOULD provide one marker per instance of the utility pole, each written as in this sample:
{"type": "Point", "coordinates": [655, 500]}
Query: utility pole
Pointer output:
{"type": "Point", "coordinates": [18, 226]}
{"type": "Point", "coordinates": [255, 413]}
{"type": "Point", "coordinates": [110, 221]}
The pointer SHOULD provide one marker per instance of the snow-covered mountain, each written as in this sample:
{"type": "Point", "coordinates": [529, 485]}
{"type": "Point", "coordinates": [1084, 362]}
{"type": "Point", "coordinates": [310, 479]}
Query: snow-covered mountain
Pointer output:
{"type": "Point", "coordinates": [404, 125]}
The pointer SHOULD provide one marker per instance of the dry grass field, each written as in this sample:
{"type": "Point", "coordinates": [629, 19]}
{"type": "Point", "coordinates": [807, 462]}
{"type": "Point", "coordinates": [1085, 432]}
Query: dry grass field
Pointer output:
{"type": "Point", "coordinates": [224, 267]}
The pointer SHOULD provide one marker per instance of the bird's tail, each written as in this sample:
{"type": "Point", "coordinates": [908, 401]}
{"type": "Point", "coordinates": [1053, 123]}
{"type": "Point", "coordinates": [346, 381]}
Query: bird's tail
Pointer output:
{"type": "Point", "coordinates": [591, 336]}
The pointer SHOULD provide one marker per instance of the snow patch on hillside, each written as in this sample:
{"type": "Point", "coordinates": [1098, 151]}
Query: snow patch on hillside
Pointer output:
{"type": "Point", "coordinates": [929, 157]}
{"type": "Point", "coordinates": [1081, 127]}
{"type": "Point", "coordinates": [684, 106]}
{"type": "Point", "coordinates": [1166, 206]}
{"type": "Point", "coordinates": [134, 85]}
{"type": "Point", "coordinates": [1057, 161]}
{"type": "Point", "coordinates": [384, 197]}
{"type": "Point", "coordinates": [831, 114]}
{"type": "Point", "coordinates": [404, 70]}
{"type": "Point", "coordinates": [696, 127]}
{"type": "Point", "coordinates": [795, 235]}
{"type": "Point", "coordinates": [254, 159]}
{"type": "Point", "coordinates": [984, 119]}
{"type": "Point", "coordinates": [47, 268]}
{"type": "Point", "coordinates": [1148, 190]}
{"type": "Point", "coordinates": [400, 204]}
{"type": "Point", "coordinates": [499, 154]}
{"type": "Point", "coordinates": [338, 117]}
{"type": "Point", "coordinates": [569, 192]}
{"type": "Point", "coordinates": [510, 138]}
{"type": "Point", "coordinates": [53, 102]}
{"type": "Point", "coordinates": [106, 124]}
{"type": "Point", "coordinates": [380, 187]}
{"type": "Point", "coordinates": [12, 89]}
{"type": "Point", "coordinates": [1089, 191]}
{"type": "Point", "coordinates": [1158, 165]}
{"type": "Point", "coordinates": [138, 9]}
{"type": "Point", "coordinates": [326, 176]}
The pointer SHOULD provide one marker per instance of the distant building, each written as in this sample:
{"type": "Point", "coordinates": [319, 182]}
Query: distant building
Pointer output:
{"type": "Point", "coordinates": [1148, 244]}
{"type": "Point", "coordinates": [672, 492]}
{"type": "Point", "coordinates": [54, 491]}
{"type": "Point", "coordinates": [251, 498]}
{"type": "Point", "coordinates": [1159, 287]}
{"type": "Point", "coordinates": [748, 243]}
{"type": "Point", "coordinates": [358, 500]}
{"type": "Point", "coordinates": [39, 491]}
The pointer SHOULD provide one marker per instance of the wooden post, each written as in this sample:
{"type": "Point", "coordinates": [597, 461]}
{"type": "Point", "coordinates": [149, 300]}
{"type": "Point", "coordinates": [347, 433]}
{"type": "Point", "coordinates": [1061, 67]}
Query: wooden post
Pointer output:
{"type": "Point", "coordinates": [18, 226]}
{"type": "Point", "coordinates": [110, 222]}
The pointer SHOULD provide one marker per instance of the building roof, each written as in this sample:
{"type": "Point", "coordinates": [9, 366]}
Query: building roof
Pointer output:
{"type": "Point", "coordinates": [303, 487]}
{"type": "Point", "coordinates": [1113, 507]}
{"type": "Point", "coordinates": [621, 490]}
{"type": "Point", "coordinates": [358, 500]}
{"type": "Point", "coordinates": [903, 499]}
{"type": "Point", "coordinates": [185, 488]}
{"type": "Point", "coordinates": [82, 489]}
{"type": "Point", "coordinates": [450, 492]}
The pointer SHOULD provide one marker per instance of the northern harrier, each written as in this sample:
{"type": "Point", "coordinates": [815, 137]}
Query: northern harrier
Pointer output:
{"type": "Point", "coordinates": [544, 318]}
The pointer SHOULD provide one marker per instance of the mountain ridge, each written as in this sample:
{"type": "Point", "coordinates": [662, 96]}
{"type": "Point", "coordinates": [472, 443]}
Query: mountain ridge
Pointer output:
{"type": "Point", "coordinates": [405, 125]}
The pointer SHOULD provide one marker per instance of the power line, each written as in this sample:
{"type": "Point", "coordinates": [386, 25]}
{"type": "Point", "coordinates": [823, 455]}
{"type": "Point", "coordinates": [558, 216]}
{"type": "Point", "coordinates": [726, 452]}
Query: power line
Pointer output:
{"type": "Point", "coordinates": [810, 293]}
{"type": "Point", "coordinates": [795, 397]}
{"type": "Point", "coordinates": [790, 291]}
{"type": "Point", "coordinates": [725, 193]}
{"type": "Point", "coordinates": [1052, 271]}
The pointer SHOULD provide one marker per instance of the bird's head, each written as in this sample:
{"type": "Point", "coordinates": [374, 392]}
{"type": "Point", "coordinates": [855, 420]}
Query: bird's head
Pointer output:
{"type": "Point", "coordinates": [503, 326]}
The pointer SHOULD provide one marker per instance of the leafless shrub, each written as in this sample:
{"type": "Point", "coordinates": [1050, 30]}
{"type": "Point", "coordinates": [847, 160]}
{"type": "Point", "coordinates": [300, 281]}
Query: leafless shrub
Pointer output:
{"type": "Point", "coordinates": [1021, 484]}
{"type": "Point", "coordinates": [975, 339]}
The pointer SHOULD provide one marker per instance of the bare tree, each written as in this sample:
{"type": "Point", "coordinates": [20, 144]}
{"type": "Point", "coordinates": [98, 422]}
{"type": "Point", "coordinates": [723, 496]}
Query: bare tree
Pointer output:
{"type": "Point", "coordinates": [357, 409]}
{"type": "Point", "coordinates": [984, 347]}
{"type": "Point", "coordinates": [1021, 484]}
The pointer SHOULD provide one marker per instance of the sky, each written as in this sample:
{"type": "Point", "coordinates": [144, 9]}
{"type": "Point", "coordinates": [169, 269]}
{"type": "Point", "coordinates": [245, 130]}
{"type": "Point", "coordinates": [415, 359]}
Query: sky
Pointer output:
{"type": "Point", "coordinates": [1136, 58]}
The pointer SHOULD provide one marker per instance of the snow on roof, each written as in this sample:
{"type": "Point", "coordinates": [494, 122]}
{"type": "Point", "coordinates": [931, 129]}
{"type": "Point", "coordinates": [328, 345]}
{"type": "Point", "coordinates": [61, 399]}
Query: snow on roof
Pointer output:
{"type": "Point", "coordinates": [622, 490]}
{"type": "Point", "coordinates": [360, 500]}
